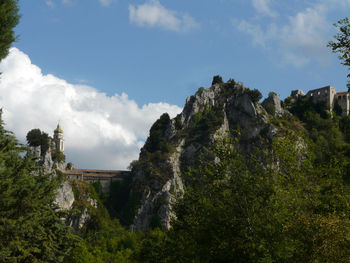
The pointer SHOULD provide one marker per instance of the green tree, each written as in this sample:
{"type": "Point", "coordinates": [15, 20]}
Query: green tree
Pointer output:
{"type": "Point", "coordinates": [239, 210]}
{"type": "Point", "coordinates": [217, 80]}
{"type": "Point", "coordinates": [37, 138]}
{"type": "Point", "coordinates": [31, 227]}
{"type": "Point", "coordinates": [9, 18]}
{"type": "Point", "coordinates": [255, 95]}
{"type": "Point", "coordinates": [34, 137]}
{"type": "Point", "coordinates": [58, 156]}
{"type": "Point", "coordinates": [342, 43]}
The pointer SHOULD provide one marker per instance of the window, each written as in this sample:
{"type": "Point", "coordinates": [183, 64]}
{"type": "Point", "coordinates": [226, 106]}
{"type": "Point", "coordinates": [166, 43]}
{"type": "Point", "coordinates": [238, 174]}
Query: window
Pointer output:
{"type": "Point", "coordinates": [318, 93]}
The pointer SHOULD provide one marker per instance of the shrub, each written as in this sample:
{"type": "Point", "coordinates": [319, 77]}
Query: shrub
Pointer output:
{"type": "Point", "coordinates": [255, 95]}
{"type": "Point", "coordinates": [217, 80]}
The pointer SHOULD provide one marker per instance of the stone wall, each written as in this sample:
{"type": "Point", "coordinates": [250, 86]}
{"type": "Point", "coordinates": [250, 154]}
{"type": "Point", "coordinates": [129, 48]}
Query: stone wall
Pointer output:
{"type": "Point", "coordinates": [325, 94]}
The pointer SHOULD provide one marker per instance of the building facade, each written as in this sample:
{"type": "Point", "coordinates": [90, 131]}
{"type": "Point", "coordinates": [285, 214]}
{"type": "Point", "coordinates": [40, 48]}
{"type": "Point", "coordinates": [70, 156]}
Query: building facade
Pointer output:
{"type": "Point", "coordinates": [328, 95]}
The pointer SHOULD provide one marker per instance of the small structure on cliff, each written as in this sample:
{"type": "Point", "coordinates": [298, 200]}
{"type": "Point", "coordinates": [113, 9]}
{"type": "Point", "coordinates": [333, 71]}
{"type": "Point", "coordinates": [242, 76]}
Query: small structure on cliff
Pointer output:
{"type": "Point", "coordinates": [105, 177]}
{"type": "Point", "coordinates": [328, 95]}
{"type": "Point", "coordinates": [58, 138]}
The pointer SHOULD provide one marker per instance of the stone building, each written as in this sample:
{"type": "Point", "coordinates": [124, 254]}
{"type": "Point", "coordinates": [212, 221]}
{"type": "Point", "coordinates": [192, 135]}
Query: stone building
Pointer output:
{"type": "Point", "coordinates": [325, 94]}
{"type": "Point", "coordinates": [343, 100]}
{"type": "Point", "coordinates": [329, 95]}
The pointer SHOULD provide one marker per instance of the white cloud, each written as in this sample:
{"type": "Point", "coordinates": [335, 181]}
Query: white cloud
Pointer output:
{"type": "Point", "coordinates": [100, 131]}
{"type": "Point", "coordinates": [263, 7]}
{"type": "Point", "coordinates": [105, 2]}
{"type": "Point", "coordinates": [260, 37]}
{"type": "Point", "coordinates": [299, 38]}
{"type": "Point", "coordinates": [152, 14]}
{"type": "Point", "coordinates": [307, 34]}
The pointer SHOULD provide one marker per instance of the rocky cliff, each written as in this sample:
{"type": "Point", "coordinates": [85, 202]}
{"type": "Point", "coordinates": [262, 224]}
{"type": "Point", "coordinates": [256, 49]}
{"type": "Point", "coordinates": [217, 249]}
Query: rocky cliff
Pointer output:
{"type": "Point", "coordinates": [174, 145]}
{"type": "Point", "coordinates": [80, 203]}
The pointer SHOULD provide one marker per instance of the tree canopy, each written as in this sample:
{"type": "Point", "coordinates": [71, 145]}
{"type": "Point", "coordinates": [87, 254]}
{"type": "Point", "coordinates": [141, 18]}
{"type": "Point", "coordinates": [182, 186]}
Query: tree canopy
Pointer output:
{"type": "Point", "coordinates": [9, 18]}
{"type": "Point", "coordinates": [35, 138]}
{"type": "Point", "coordinates": [341, 44]}
{"type": "Point", "coordinates": [31, 227]}
{"type": "Point", "coordinates": [239, 210]}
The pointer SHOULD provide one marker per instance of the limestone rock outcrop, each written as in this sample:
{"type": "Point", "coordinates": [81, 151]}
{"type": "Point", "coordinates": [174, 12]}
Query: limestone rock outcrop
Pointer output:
{"type": "Point", "coordinates": [160, 176]}
{"type": "Point", "coordinates": [65, 196]}
{"type": "Point", "coordinates": [273, 105]}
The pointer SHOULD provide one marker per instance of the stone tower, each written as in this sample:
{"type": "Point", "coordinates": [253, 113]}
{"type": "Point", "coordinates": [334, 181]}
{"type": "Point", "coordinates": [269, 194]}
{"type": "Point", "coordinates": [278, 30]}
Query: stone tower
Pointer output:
{"type": "Point", "coordinates": [58, 138]}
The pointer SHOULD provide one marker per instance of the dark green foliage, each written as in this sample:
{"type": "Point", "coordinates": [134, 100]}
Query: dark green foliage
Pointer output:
{"type": "Point", "coordinates": [34, 137]}
{"type": "Point", "coordinates": [255, 95]}
{"type": "Point", "coordinates": [156, 140]}
{"type": "Point", "coordinates": [217, 80]}
{"type": "Point", "coordinates": [200, 90]}
{"type": "Point", "coordinates": [155, 222]}
{"type": "Point", "coordinates": [103, 239]}
{"type": "Point", "coordinates": [156, 150]}
{"type": "Point", "coordinates": [204, 124]}
{"type": "Point", "coordinates": [337, 108]}
{"type": "Point", "coordinates": [9, 18]}
{"type": "Point", "coordinates": [69, 166]}
{"type": "Point", "coordinates": [178, 123]}
{"type": "Point", "coordinates": [236, 210]}
{"type": "Point", "coordinates": [117, 201]}
{"type": "Point", "coordinates": [345, 127]}
{"type": "Point", "coordinates": [58, 156]}
{"type": "Point", "coordinates": [342, 43]}
{"type": "Point", "coordinates": [270, 109]}
{"type": "Point", "coordinates": [44, 143]}
{"type": "Point", "coordinates": [31, 229]}
{"type": "Point", "coordinates": [37, 138]}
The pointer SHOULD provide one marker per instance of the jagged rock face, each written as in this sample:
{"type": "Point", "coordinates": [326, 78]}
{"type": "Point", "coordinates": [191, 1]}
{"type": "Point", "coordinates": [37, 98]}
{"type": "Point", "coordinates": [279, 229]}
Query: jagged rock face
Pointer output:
{"type": "Point", "coordinates": [65, 196]}
{"type": "Point", "coordinates": [46, 162]}
{"type": "Point", "coordinates": [206, 117]}
{"type": "Point", "coordinates": [272, 104]}
{"type": "Point", "coordinates": [36, 151]}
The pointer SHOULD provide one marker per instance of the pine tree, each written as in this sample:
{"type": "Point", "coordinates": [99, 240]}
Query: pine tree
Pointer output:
{"type": "Point", "coordinates": [9, 18]}
{"type": "Point", "coordinates": [31, 227]}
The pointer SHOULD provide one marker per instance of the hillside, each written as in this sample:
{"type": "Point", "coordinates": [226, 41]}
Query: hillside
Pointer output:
{"type": "Point", "coordinates": [174, 146]}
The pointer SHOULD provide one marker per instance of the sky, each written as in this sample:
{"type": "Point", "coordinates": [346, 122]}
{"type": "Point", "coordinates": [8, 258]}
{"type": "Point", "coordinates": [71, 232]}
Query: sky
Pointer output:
{"type": "Point", "coordinates": [107, 69]}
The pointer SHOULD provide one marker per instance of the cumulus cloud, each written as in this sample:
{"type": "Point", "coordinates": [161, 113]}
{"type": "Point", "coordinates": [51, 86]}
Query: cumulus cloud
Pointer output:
{"type": "Point", "coordinates": [153, 14]}
{"type": "Point", "coordinates": [299, 39]}
{"type": "Point", "coordinates": [100, 131]}
{"type": "Point", "coordinates": [307, 34]}
{"type": "Point", "coordinates": [263, 7]}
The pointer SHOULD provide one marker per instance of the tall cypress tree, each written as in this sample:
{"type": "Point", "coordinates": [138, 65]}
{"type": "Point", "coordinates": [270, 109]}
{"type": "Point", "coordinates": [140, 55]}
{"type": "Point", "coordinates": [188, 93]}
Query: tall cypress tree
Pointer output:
{"type": "Point", "coordinates": [31, 226]}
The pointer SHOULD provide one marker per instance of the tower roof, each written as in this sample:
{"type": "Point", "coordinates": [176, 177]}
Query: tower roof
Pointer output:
{"type": "Point", "coordinates": [58, 129]}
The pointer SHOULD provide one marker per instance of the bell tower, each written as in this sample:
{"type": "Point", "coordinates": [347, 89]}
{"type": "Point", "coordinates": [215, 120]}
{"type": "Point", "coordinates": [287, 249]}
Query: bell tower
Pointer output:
{"type": "Point", "coordinates": [58, 138]}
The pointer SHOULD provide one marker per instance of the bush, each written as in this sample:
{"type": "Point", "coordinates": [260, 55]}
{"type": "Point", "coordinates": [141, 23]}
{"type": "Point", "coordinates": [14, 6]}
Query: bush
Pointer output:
{"type": "Point", "coordinates": [58, 156]}
{"type": "Point", "coordinates": [217, 80]}
{"type": "Point", "coordinates": [255, 95]}
{"type": "Point", "coordinates": [36, 138]}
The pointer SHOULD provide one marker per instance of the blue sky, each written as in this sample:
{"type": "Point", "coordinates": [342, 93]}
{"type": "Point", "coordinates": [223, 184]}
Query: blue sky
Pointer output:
{"type": "Point", "coordinates": [150, 55]}
{"type": "Point", "coordinates": [101, 45]}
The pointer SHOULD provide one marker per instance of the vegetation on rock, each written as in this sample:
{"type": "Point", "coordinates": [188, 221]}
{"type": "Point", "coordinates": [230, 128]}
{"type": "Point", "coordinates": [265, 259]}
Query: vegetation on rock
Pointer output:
{"type": "Point", "coordinates": [31, 228]}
